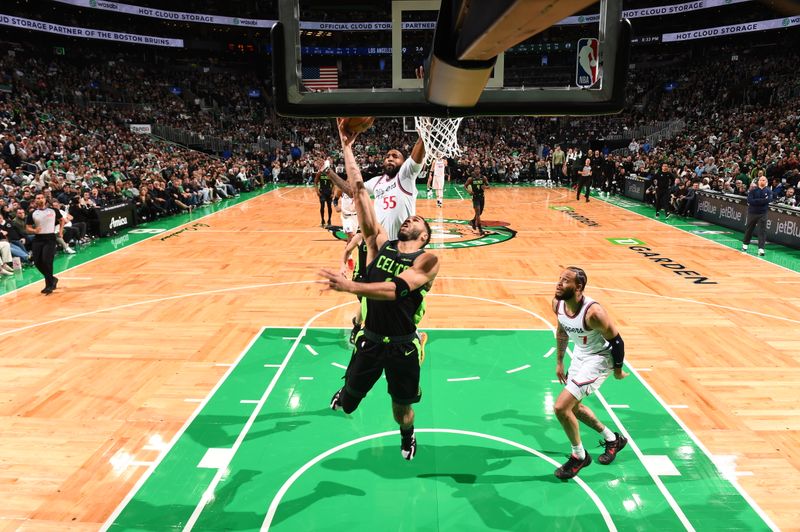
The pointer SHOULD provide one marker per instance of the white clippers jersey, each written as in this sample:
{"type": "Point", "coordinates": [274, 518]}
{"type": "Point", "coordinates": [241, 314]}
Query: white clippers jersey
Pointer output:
{"type": "Point", "coordinates": [347, 205]}
{"type": "Point", "coordinates": [395, 198]}
{"type": "Point", "coordinates": [587, 342]}
{"type": "Point", "coordinates": [438, 168]}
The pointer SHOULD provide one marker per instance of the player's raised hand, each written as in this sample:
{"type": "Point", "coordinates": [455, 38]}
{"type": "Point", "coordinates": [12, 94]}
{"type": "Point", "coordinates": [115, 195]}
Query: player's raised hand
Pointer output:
{"type": "Point", "coordinates": [334, 280]}
{"type": "Point", "coordinates": [347, 136]}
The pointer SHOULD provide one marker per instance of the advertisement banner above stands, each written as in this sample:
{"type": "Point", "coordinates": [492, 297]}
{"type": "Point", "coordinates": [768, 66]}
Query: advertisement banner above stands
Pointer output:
{"type": "Point", "coordinates": [87, 33]}
{"type": "Point", "coordinates": [181, 16]}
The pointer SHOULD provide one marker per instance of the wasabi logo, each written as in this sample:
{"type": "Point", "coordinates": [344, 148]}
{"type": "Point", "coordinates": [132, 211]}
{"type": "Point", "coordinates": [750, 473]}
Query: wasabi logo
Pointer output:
{"type": "Point", "coordinates": [457, 234]}
{"type": "Point", "coordinates": [92, 3]}
{"type": "Point", "coordinates": [785, 22]}
{"type": "Point", "coordinates": [677, 268]}
{"type": "Point", "coordinates": [236, 21]}
{"type": "Point", "coordinates": [581, 19]}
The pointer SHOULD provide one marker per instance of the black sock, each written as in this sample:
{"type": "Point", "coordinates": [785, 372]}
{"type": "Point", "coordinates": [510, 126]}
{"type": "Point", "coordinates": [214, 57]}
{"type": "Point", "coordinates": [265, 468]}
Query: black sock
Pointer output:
{"type": "Point", "coordinates": [407, 433]}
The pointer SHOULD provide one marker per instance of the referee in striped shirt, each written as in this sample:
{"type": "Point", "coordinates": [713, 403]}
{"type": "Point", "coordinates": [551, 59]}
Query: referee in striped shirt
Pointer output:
{"type": "Point", "coordinates": [42, 222]}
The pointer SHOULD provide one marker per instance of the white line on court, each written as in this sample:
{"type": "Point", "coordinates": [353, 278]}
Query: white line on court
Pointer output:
{"type": "Point", "coordinates": [459, 379]}
{"type": "Point", "coordinates": [705, 450]}
{"type": "Point", "coordinates": [273, 506]}
{"type": "Point", "coordinates": [151, 301]}
{"type": "Point", "coordinates": [306, 378]}
{"type": "Point", "coordinates": [311, 350]}
{"type": "Point", "coordinates": [176, 437]}
{"type": "Point", "coordinates": [619, 406]}
{"type": "Point", "coordinates": [289, 338]}
{"type": "Point", "coordinates": [272, 365]}
{"type": "Point", "coordinates": [249, 401]}
{"type": "Point", "coordinates": [550, 352]}
{"type": "Point", "coordinates": [638, 452]}
{"type": "Point", "coordinates": [526, 366]}
{"type": "Point", "coordinates": [340, 366]}
{"type": "Point", "coordinates": [104, 255]}
{"type": "Point", "coordinates": [208, 494]}
{"type": "Point", "coordinates": [623, 291]}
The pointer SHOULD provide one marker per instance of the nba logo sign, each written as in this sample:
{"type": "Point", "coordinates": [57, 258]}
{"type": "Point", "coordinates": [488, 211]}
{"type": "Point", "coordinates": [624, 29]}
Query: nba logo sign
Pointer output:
{"type": "Point", "coordinates": [588, 64]}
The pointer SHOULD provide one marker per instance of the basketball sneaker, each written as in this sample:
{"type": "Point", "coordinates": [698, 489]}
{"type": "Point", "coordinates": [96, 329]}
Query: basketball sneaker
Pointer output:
{"type": "Point", "coordinates": [408, 447]}
{"type": "Point", "coordinates": [429, 193]}
{"type": "Point", "coordinates": [423, 339]}
{"type": "Point", "coordinates": [336, 403]}
{"type": "Point", "coordinates": [612, 448]}
{"type": "Point", "coordinates": [761, 252]}
{"type": "Point", "coordinates": [439, 203]}
{"type": "Point", "coordinates": [571, 467]}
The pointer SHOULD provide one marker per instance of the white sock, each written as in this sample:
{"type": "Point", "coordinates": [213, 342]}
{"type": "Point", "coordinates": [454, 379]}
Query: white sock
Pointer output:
{"type": "Point", "coordinates": [608, 435]}
{"type": "Point", "coordinates": [578, 452]}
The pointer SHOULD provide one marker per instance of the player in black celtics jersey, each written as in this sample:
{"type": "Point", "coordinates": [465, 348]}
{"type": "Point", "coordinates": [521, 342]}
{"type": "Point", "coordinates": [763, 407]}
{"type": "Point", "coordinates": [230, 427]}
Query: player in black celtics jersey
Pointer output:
{"type": "Point", "coordinates": [325, 192]}
{"type": "Point", "coordinates": [475, 185]}
{"type": "Point", "coordinates": [398, 276]}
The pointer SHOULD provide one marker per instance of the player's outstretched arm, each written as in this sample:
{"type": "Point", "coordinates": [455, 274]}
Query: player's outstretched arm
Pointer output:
{"type": "Point", "coordinates": [343, 185]}
{"type": "Point", "coordinates": [598, 319]}
{"type": "Point", "coordinates": [370, 227]}
{"type": "Point", "coordinates": [424, 271]}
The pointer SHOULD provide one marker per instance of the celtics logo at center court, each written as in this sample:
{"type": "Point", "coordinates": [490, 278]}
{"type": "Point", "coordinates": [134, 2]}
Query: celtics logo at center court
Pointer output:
{"type": "Point", "coordinates": [457, 234]}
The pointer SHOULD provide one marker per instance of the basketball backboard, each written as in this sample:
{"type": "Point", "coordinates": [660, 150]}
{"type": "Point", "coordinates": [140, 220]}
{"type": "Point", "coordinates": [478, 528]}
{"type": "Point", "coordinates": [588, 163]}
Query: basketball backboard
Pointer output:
{"type": "Point", "coordinates": [481, 58]}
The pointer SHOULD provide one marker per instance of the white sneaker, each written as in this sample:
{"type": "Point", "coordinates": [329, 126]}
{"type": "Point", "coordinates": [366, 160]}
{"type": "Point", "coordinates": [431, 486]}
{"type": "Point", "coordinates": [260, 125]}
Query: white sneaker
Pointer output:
{"type": "Point", "coordinates": [3, 271]}
{"type": "Point", "coordinates": [744, 247]}
{"type": "Point", "coordinates": [8, 268]}
{"type": "Point", "coordinates": [69, 250]}
{"type": "Point", "coordinates": [761, 252]}
{"type": "Point", "coordinates": [438, 203]}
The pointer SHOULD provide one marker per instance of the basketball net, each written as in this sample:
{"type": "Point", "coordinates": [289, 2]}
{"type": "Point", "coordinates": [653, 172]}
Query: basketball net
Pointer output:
{"type": "Point", "coordinates": [439, 137]}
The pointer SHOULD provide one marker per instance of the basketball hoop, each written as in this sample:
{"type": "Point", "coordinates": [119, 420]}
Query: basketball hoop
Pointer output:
{"type": "Point", "coordinates": [439, 137]}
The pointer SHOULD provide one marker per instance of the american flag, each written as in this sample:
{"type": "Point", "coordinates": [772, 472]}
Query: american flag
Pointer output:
{"type": "Point", "coordinates": [321, 78]}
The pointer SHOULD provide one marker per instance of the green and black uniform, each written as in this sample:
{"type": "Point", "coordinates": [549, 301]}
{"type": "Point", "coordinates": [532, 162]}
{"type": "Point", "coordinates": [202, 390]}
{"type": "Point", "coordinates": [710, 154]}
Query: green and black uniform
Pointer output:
{"type": "Point", "coordinates": [360, 269]}
{"type": "Point", "coordinates": [478, 184]}
{"type": "Point", "coordinates": [325, 196]}
{"type": "Point", "coordinates": [388, 342]}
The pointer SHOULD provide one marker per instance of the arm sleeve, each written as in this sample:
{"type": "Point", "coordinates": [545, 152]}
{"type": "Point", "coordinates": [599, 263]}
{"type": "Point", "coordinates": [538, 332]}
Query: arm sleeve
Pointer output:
{"type": "Point", "coordinates": [617, 351]}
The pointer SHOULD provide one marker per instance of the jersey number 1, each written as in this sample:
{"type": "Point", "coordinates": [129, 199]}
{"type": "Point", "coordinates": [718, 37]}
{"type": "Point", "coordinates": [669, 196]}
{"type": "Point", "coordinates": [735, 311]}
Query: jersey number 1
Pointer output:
{"type": "Point", "coordinates": [389, 202]}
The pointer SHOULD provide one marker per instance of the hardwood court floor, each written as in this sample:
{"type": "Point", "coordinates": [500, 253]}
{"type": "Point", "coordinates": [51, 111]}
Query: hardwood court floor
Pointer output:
{"type": "Point", "coordinates": [99, 377]}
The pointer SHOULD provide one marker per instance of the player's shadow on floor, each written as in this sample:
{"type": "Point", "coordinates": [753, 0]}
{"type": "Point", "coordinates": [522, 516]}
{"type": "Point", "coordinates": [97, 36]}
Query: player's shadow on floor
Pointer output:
{"type": "Point", "coordinates": [217, 430]}
{"type": "Point", "coordinates": [323, 490]}
{"type": "Point", "coordinates": [459, 464]}
{"type": "Point", "coordinates": [470, 472]}
{"type": "Point", "coordinates": [536, 435]}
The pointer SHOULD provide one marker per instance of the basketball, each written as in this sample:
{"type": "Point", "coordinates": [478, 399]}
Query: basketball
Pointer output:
{"type": "Point", "coordinates": [358, 124]}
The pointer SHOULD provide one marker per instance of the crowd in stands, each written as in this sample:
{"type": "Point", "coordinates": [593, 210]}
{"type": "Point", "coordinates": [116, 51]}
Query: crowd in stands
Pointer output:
{"type": "Point", "coordinates": [65, 131]}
